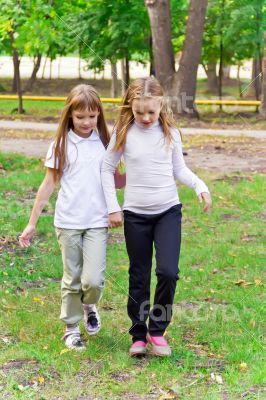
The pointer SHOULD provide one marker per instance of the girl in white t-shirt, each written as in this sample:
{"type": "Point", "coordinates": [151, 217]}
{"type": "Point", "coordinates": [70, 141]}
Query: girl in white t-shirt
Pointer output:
{"type": "Point", "coordinates": [147, 137]}
{"type": "Point", "coordinates": [81, 218]}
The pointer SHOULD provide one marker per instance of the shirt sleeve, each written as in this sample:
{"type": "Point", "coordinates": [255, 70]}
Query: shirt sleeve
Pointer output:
{"type": "Point", "coordinates": [49, 160]}
{"type": "Point", "coordinates": [109, 165]}
{"type": "Point", "coordinates": [181, 171]}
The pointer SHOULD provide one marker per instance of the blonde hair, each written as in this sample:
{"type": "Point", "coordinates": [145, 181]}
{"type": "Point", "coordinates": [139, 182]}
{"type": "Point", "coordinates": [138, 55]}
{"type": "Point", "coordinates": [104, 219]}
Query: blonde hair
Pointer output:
{"type": "Point", "coordinates": [81, 97]}
{"type": "Point", "coordinates": [142, 88]}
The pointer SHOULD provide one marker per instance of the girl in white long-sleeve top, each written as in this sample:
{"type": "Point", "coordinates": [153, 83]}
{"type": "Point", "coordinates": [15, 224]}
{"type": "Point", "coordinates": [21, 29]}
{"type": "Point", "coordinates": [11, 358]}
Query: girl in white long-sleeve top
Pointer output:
{"type": "Point", "coordinates": [147, 137]}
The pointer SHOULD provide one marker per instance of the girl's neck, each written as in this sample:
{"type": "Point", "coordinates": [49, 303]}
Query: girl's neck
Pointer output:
{"type": "Point", "coordinates": [154, 125]}
{"type": "Point", "coordinates": [82, 135]}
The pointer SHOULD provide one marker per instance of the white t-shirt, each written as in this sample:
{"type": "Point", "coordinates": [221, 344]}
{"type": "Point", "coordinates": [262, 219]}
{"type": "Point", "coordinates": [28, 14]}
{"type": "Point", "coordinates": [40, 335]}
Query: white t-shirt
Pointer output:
{"type": "Point", "coordinates": [80, 203]}
{"type": "Point", "coordinates": [152, 166]}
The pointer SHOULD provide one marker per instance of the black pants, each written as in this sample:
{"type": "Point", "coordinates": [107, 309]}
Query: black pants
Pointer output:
{"type": "Point", "coordinates": [141, 232]}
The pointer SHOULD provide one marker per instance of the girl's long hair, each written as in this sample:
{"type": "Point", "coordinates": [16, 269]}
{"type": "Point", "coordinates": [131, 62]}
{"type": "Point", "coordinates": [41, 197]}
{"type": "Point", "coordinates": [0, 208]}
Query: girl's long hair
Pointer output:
{"type": "Point", "coordinates": [82, 97]}
{"type": "Point", "coordinates": [140, 89]}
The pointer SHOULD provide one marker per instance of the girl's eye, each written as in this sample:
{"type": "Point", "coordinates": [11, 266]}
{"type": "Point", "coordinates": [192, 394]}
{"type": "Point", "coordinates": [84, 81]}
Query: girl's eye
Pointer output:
{"type": "Point", "coordinates": [151, 112]}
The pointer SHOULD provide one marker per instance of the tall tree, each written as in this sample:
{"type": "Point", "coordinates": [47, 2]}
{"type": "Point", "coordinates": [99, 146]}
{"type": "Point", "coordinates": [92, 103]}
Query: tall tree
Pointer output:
{"type": "Point", "coordinates": [180, 85]}
{"type": "Point", "coordinates": [111, 30]}
{"type": "Point", "coordinates": [263, 98]}
{"type": "Point", "coordinates": [32, 28]}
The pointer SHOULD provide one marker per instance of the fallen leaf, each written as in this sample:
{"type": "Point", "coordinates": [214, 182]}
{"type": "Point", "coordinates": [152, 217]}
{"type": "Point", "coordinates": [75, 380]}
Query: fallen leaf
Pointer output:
{"type": "Point", "coordinates": [243, 283]}
{"type": "Point", "coordinates": [217, 378]}
{"type": "Point", "coordinates": [64, 351]}
{"type": "Point", "coordinates": [243, 367]}
{"type": "Point", "coordinates": [252, 323]}
{"type": "Point", "coordinates": [37, 299]}
{"type": "Point", "coordinates": [167, 396]}
{"type": "Point", "coordinates": [22, 388]}
{"type": "Point", "coordinates": [258, 282]}
{"type": "Point", "coordinates": [41, 380]}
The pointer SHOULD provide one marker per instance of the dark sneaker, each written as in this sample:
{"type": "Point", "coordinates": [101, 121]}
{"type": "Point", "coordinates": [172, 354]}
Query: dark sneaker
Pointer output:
{"type": "Point", "coordinates": [73, 341]}
{"type": "Point", "coordinates": [92, 319]}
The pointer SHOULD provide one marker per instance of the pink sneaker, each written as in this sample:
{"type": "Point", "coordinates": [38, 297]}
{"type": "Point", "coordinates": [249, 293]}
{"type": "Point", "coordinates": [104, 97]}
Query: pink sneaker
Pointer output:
{"type": "Point", "coordinates": [138, 348]}
{"type": "Point", "coordinates": [159, 345]}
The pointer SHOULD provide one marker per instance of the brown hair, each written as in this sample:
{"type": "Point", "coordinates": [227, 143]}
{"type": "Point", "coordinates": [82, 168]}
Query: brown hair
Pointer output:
{"type": "Point", "coordinates": [81, 97]}
{"type": "Point", "coordinates": [142, 88]}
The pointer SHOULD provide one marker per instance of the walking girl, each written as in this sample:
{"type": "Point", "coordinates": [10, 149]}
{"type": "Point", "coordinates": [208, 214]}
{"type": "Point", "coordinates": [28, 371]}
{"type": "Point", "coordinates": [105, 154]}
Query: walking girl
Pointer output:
{"type": "Point", "coordinates": [81, 220]}
{"type": "Point", "coordinates": [147, 137]}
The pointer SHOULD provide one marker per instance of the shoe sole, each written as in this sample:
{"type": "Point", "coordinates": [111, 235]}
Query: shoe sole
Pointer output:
{"type": "Point", "coordinates": [158, 350]}
{"type": "Point", "coordinates": [92, 333]}
{"type": "Point", "coordinates": [138, 353]}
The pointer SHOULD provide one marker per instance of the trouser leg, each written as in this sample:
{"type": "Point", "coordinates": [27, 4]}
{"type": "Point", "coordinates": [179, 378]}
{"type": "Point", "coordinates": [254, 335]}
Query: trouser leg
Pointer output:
{"type": "Point", "coordinates": [94, 262]}
{"type": "Point", "coordinates": [70, 242]}
{"type": "Point", "coordinates": [167, 240]}
{"type": "Point", "coordinates": [139, 242]}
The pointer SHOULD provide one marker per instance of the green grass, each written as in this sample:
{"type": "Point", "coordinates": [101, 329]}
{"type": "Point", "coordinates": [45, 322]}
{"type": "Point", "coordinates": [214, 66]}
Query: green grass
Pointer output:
{"type": "Point", "coordinates": [217, 324]}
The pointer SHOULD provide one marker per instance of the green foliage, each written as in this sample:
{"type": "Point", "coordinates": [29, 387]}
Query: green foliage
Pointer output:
{"type": "Point", "coordinates": [110, 30]}
{"type": "Point", "coordinates": [239, 24]}
{"type": "Point", "coordinates": [37, 27]}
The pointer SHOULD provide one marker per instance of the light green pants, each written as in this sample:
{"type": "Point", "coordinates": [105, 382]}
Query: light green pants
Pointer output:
{"type": "Point", "coordinates": [83, 254]}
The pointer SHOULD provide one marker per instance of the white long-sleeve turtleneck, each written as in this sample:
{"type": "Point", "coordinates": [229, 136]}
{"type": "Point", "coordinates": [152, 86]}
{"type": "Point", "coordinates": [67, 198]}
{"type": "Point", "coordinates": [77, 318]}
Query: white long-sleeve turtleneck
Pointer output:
{"type": "Point", "coordinates": [152, 166]}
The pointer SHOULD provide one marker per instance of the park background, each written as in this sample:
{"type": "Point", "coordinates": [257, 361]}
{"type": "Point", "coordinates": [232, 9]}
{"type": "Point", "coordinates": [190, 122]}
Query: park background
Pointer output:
{"type": "Point", "coordinates": [208, 50]}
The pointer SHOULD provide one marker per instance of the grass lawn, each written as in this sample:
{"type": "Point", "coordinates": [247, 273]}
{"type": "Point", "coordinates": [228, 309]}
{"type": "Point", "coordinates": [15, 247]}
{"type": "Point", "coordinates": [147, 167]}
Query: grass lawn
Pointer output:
{"type": "Point", "coordinates": [218, 329]}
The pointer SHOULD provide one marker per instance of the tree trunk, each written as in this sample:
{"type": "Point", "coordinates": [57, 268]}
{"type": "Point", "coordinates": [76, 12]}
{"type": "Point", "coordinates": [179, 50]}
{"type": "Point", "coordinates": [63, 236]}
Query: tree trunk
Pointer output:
{"type": "Point", "coordinates": [212, 79]}
{"type": "Point", "coordinates": [29, 85]}
{"type": "Point", "coordinates": [51, 63]}
{"type": "Point", "coordinates": [127, 73]}
{"type": "Point", "coordinates": [16, 63]}
{"type": "Point", "coordinates": [152, 67]}
{"type": "Point", "coordinates": [163, 55]}
{"type": "Point", "coordinates": [123, 77]}
{"type": "Point", "coordinates": [59, 67]}
{"type": "Point", "coordinates": [263, 94]}
{"type": "Point", "coordinates": [256, 76]}
{"type": "Point", "coordinates": [180, 86]}
{"type": "Point", "coordinates": [79, 68]}
{"type": "Point", "coordinates": [226, 71]}
{"type": "Point", "coordinates": [114, 86]}
{"type": "Point", "coordinates": [239, 81]}
{"type": "Point", "coordinates": [186, 77]}
{"type": "Point", "coordinates": [44, 66]}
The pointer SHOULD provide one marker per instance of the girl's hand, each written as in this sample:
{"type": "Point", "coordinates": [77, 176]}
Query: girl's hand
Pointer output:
{"type": "Point", "coordinates": [24, 238]}
{"type": "Point", "coordinates": [115, 219]}
{"type": "Point", "coordinates": [206, 197]}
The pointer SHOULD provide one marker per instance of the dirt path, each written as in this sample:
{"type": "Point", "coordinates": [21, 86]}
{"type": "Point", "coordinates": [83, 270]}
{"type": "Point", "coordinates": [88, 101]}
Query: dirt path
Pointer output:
{"type": "Point", "coordinates": [226, 154]}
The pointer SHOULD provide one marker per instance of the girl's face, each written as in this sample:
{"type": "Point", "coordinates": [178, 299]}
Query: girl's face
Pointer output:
{"type": "Point", "coordinates": [146, 111]}
{"type": "Point", "coordinates": [84, 121]}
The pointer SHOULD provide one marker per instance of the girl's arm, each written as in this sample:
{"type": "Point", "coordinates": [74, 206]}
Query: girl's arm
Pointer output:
{"type": "Point", "coordinates": [44, 192]}
{"type": "Point", "coordinates": [186, 176]}
{"type": "Point", "coordinates": [109, 165]}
